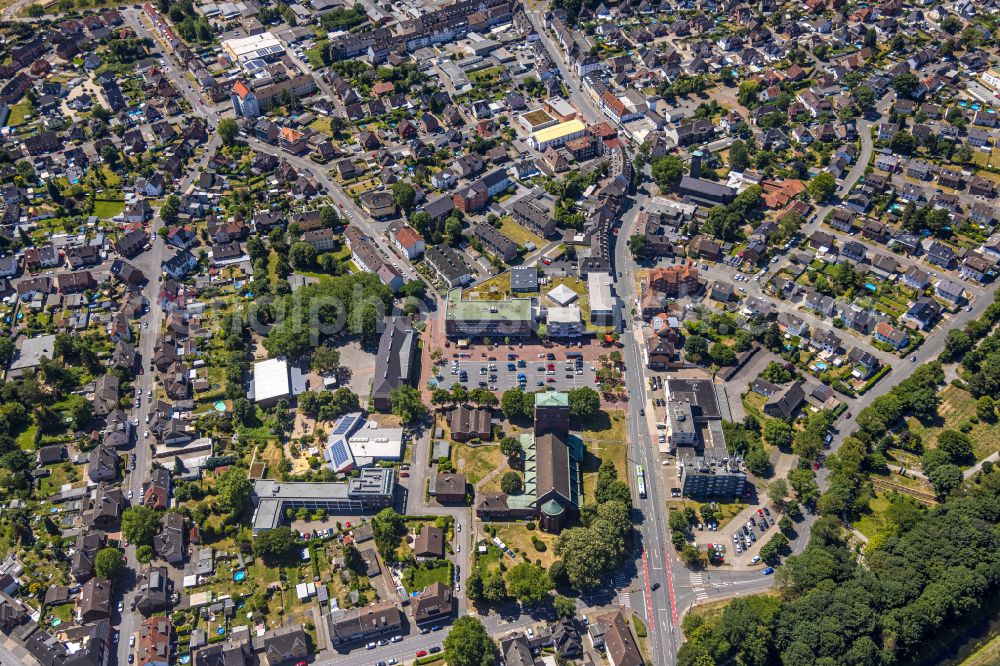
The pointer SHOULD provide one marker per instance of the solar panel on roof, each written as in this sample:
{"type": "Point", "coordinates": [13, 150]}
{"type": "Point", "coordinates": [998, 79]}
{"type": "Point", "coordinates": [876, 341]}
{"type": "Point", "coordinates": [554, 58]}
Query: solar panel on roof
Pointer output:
{"type": "Point", "coordinates": [340, 454]}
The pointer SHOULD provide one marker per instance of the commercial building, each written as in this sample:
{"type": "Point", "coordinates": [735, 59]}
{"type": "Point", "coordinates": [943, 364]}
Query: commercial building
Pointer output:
{"type": "Point", "coordinates": [602, 299]}
{"type": "Point", "coordinates": [371, 492]}
{"type": "Point", "coordinates": [705, 191]}
{"type": "Point", "coordinates": [264, 47]}
{"type": "Point", "coordinates": [695, 411]}
{"type": "Point", "coordinates": [30, 355]}
{"type": "Point", "coordinates": [472, 318]}
{"type": "Point", "coordinates": [274, 380]}
{"type": "Point", "coordinates": [557, 135]}
{"type": "Point", "coordinates": [565, 322]}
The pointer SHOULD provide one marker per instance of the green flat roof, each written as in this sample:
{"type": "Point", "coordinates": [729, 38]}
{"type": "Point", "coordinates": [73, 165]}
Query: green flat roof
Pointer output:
{"type": "Point", "coordinates": [552, 399]}
{"type": "Point", "coordinates": [516, 309]}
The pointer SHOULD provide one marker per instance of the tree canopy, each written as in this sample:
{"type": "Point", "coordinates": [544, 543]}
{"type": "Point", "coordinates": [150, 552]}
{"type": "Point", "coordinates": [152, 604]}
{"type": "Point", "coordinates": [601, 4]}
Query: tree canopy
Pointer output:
{"type": "Point", "coordinates": [140, 524]}
{"type": "Point", "coordinates": [468, 644]}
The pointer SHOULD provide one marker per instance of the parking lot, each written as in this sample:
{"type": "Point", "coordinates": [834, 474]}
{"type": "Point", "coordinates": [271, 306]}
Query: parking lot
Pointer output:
{"type": "Point", "coordinates": [533, 374]}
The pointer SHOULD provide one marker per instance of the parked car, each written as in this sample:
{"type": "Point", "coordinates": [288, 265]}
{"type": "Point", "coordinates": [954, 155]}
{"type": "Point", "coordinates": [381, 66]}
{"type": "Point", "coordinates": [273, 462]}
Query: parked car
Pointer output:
{"type": "Point", "coordinates": [768, 571]}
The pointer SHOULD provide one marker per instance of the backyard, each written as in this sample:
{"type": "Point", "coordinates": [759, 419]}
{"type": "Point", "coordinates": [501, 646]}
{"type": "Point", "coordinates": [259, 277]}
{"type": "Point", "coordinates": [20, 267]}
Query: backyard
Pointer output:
{"type": "Point", "coordinates": [518, 234]}
{"type": "Point", "coordinates": [107, 209]}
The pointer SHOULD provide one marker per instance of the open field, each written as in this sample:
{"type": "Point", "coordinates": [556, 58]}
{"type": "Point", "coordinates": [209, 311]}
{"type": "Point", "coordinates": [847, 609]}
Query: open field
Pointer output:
{"type": "Point", "coordinates": [518, 538]}
{"type": "Point", "coordinates": [871, 523]}
{"type": "Point", "coordinates": [604, 441]}
{"type": "Point", "coordinates": [957, 406]}
{"type": "Point", "coordinates": [476, 461]}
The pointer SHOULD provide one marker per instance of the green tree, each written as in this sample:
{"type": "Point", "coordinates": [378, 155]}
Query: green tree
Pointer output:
{"type": "Point", "coordinates": [353, 559]}
{"type": "Point", "coordinates": [584, 402]}
{"type": "Point", "coordinates": [228, 129]}
{"type": "Point", "coordinates": [328, 217]}
{"type": "Point", "coordinates": [905, 84]}
{"type": "Point", "coordinates": [144, 554]}
{"type": "Point", "coordinates": [325, 359]}
{"type": "Point", "coordinates": [516, 404]}
{"type": "Point", "coordinates": [945, 478]}
{"type": "Point", "coordinates": [564, 607]}
{"type": "Point", "coordinates": [140, 524]}
{"type": "Point", "coordinates": [274, 545]}
{"type": "Point", "coordinates": [747, 95]}
{"type": "Point", "coordinates": [302, 255]}
{"type": "Point", "coordinates": [864, 97]}
{"type": "Point", "coordinates": [778, 433]}
{"type": "Point", "coordinates": [822, 186]}
{"type": "Point", "coordinates": [108, 563]}
{"type": "Point", "coordinates": [696, 348]}
{"type": "Point", "coordinates": [986, 409]}
{"type": "Point", "coordinates": [511, 483]}
{"type": "Point", "coordinates": [667, 171]}
{"type": "Point", "coordinates": [777, 492]}
{"type": "Point", "coordinates": [957, 445]}
{"type": "Point", "coordinates": [404, 195]}
{"type": "Point", "coordinates": [243, 411]}
{"type": "Point", "coordinates": [723, 355]}
{"type": "Point", "coordinates": [529, 583]}
{"type": "Point", "coordinates": [739, 158]}
{"type": "Point", "coordinates": [407, 404]}
{"type": "Point", "coordinates": [233, 491]}
{"type": "Point", "coordinates": [637, 245]}
{"type": "Point", "coordinates": [511, 447]}
{"type": "Point", "coordinates": [468, 644]}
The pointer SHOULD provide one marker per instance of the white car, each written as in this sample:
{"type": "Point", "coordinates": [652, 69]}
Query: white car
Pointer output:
{"type": "Point", "coordinates": [459, 528]}
{"type": "Point", "coordinates": [145, 434]}
{"type": "Point", "coordinates": [458, 548]}
{"type": "Point", "coordinates": [129, 494]}
{"type": "Point", "coordinates": [755, 559]}
{"type": "Point", "coordinates": [131, 641]}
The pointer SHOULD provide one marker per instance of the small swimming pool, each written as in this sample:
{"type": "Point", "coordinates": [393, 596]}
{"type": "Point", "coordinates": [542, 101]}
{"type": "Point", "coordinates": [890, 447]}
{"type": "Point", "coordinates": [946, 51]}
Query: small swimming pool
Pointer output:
{"type": "Point", "coordinates": [870, 287]}
{"type": "Point", "coordinates": [220, 631]}
{"type": "Point", "coordinates": [821, 365]}
{"type": "Point", "coordinates": [239, 576]}
{"type": "Point", "coordinates": [220, 406]}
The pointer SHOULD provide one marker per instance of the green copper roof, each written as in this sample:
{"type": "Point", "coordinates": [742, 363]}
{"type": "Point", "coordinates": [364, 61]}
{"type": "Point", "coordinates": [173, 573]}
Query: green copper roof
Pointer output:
{"type": "Point", "coordinates": [552, 508]}
{"type": "Point", "coordinates": [552, 399]}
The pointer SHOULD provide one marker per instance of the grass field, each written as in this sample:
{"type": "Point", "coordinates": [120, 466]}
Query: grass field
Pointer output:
{"type": "Point", "coordinates": [26, 440]}
{"type": "Point", "coordinates": [518, 538]}
{"type": "Point", "coordinates": [321, 124]}
{"type": "Point", "coordinates": [107, 209]}
{"type": "Point", "coordinates": [604, 441]}
{"type": "Point", "coordinates": [58, 477]}
{"type": "Point", "coordinates": [476, 461]}
{"type": "Point", "coordinates": [871, 523]}
{"type": "Point", "coordinates": [957, 406]}
{"type": "Point", "coordinates": [518, 234]}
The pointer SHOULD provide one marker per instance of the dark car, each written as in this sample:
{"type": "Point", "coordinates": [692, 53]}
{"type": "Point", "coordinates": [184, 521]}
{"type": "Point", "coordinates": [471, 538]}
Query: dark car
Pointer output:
{"type": "Point", "coordinates": [435, 649]}
{"type": "Point", "coordinates": [656, 586]}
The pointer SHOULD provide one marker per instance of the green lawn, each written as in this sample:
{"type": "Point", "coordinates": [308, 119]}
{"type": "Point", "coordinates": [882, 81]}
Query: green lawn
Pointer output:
{"type": "Point", "coordinates": [26, 440]}
{"type": "Point", "coordinates": [517, 537]}
{"type": "Point", "coordinates": [604, 440]}
{"type": "Point", "coordinates": [957, 406]}
{"type": "Point", "coordinates": [57, 478]}
{"type": "Point", "coordinates": [417, 578]}
{"type": "Point", "coordinates": [108, 209]}
{"type": "Point", "coordinates": [18, 113]}
{"type": "Point", "coordinates": [519, 234]}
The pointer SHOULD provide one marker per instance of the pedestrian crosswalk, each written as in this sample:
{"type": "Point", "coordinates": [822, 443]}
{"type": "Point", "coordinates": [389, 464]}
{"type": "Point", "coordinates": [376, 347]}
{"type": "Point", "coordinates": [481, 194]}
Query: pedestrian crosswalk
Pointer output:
{"type": "Point", "coordinates": [624, 599]}
{"type": "Point", "coordinates": [698, 585]}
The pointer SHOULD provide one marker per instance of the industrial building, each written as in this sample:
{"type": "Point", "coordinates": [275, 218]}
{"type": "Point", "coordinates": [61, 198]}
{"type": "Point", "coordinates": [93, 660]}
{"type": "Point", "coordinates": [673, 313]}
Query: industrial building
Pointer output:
{"type": "Point", "coordinates": [370, 492]}
{"type": "Point", "coordinates": [264, 46]}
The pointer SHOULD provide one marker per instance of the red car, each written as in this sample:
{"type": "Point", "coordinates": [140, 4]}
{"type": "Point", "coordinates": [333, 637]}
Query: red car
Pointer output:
{"type": "Point", "coordinates": [421, 653]}
{"type": "Point", "coordinates": [404, 474]}
{"type": "Point", "coordinates": [760, 512]}
{"type": "Point", "coordinates": [300, 663]}
{"type": "Point", "coordinates": [815, 467]}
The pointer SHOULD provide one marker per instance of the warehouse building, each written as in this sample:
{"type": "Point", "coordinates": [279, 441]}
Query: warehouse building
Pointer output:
{"type": "Point", "coordinates": [557, 135]}
{"type": "Point", "coordinates": [274, 380]}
